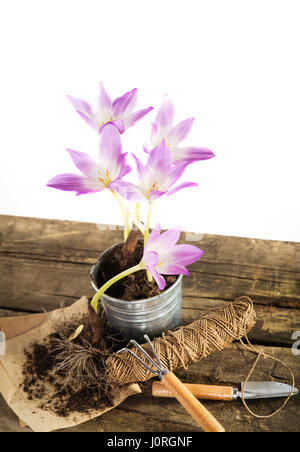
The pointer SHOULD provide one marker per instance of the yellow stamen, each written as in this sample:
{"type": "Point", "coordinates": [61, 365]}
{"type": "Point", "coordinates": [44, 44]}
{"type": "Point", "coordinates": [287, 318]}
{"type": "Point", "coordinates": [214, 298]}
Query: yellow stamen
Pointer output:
{"type": "Point", "coordinates": [104, 180]}
{"type": "Point", "coordinates": [107, 121]}
{"type": "Point", "coordinates": [153, 187]}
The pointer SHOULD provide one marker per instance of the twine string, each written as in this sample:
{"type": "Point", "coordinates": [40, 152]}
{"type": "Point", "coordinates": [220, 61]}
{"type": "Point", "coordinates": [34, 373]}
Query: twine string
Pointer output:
{"type": "Point", "coordinates": [189, 344]}
{"type": "Point", "coordinates": [260, 354]}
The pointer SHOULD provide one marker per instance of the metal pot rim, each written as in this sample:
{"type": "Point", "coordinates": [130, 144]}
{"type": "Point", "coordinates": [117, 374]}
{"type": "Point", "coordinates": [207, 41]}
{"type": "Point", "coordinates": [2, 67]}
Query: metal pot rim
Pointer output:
{"type": "Point", "coordinates": [135, 302]}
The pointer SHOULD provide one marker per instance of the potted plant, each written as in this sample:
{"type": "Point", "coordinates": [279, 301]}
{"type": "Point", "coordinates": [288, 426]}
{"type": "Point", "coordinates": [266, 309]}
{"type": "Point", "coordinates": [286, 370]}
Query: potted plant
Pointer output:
{"type": "Point", "coordinates": [139, 281]}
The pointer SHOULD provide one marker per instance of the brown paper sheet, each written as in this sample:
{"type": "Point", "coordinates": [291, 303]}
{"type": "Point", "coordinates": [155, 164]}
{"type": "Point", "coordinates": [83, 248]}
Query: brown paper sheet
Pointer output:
{"type": "Point", "coordinates": [22, 331]}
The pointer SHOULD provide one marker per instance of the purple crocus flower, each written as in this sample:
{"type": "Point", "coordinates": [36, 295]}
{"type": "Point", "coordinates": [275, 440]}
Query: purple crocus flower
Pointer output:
{"type": "Point", "coordinates": [163, 257]}
{"type": "Point", "coordinates": [118, 112]}
{"type": "Point", "coordinates": [97, 176]}
{"type": "Point", "coordinates": [157, 177]}
{"type": "Point", "coordinates": [163, 128]}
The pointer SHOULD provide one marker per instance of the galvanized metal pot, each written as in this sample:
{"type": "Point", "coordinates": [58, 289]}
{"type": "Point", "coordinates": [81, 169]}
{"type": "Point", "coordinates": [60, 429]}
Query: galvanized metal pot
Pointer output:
{"type": "Point", "coordinates": [151, 316]}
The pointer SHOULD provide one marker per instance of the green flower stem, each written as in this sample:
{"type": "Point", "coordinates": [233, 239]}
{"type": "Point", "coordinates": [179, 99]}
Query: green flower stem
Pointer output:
{"type": "Point", "coordinates": [126, 220]}
{"type": "Point", "coordinates": [138, 210]}
{"type": "Point", "coordinates": [129, 271]}
{"type": "Point", "coordinates": [146, 235]}
{"type": "Point", "coordinates": [147, 225]}
{"type": "Point", "coordinates": [125, 215]}
{"type": "Point", "coordinates": [130, 214]}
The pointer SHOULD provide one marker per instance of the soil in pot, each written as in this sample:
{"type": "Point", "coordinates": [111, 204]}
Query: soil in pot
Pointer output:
{"type": "Point", "coordinates": [135, 286]}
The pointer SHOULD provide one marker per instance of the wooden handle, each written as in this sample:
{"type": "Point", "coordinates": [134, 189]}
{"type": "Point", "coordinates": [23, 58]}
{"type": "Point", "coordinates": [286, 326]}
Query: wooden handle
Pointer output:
{"type": "Point", "coordinates": [203, 392]}
{"type": "Point", "coordinates": [204, 418]}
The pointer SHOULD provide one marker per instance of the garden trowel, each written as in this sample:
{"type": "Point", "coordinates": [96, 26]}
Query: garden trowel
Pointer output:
{"type": "Point", "coordinates": [252, 390]}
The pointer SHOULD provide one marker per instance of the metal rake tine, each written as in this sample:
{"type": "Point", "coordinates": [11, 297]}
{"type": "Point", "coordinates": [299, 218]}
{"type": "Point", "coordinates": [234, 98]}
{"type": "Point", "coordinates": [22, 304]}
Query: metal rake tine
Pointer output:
{"type": "Point", "coordinates": [139, 360]}
{"type": "Point", "coordinates": [153, 350]}
{"type": "Point", "coordinates": [204, 418]}
{"type": "Point", "coordinates": [147, 356]}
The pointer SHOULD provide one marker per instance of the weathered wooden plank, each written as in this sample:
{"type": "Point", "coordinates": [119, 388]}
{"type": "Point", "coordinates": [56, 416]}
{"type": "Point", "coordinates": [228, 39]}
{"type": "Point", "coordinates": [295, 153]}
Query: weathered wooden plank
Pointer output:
{"type": "Point", "coordinates": [35, 285]}
{"type": "Point", "coordinates": [46, 263]}
{"type": "Point", "coordinates": [145, 413]}
{"type": "Point", "coordinates": [22, 279]}
{"type": "Point", "coordinates": [272, 292]}
{"type": "Point", "coordinates": [11, 313]}
{"type": "Point", "coordinates": [9, 422]}
{"type": "Point", "coordinates": [63, 240]}
{"type": "Point", "coordinates": [19, 232]}
{"type": "Point", "coordinates": [275, 326]}
{"type": "Point", "coordinates": [230, 366]}
{"type": "Point", "coordinates": [46, 286]}
{"type": "Point", "coordinates": [268, 271]}
{"type": "Point", "coordinates": [81, 242]}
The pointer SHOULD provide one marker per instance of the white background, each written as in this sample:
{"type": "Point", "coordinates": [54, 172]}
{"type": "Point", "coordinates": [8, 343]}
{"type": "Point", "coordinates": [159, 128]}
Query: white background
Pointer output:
{"type": "Point", "coordinates": [232, 64]}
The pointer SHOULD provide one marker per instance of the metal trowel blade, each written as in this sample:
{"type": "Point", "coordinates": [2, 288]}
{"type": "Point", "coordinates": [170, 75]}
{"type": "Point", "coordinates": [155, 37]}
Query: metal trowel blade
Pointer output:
{"type": "Point", "coordinates": [266, 389]}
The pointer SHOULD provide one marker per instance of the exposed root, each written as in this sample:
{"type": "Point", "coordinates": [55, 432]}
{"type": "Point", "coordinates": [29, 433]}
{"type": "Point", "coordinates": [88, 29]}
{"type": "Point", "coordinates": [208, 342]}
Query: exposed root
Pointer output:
{"type": "Point", "coordinates": [81, 365]}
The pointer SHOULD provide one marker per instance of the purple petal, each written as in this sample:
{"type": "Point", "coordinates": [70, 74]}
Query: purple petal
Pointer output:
{"type": "Point", "coordinates": [126, 169]}
{"type": "Point", "coordinates": [121, 164]}
{"type": "Point", "coordinates": [125, 104]}
{"type": "Point", "coordinates": [186, 254]}
{"type": "Point", "coordinates": [84, 163]}
{"type": "Point", "coordinates": [155, 234]}
{"type": "Point", "coordinates": [134, 117]}
{"type": "Point", "coordinates": [172, 258]}
{"type": "Point", "coordinates": [153, 239]}
{"type": "Point", "coordinates": [155, 137]}
{"type": "Point", "coordinates": [118, 169]}
{"type": "Point", "coordinates": [180, 187]}
{"type": "Point", "coordinates": [140, 168]}
{"type": "Point", "coordinates": [175, 269]}
{"type": "Point", "coordinates": [160, 280]}
{"type": "Point", "coordinates": [104, 102]}
{"type": "Point", "coordinates": [110, 145]}
{"type": "Point", "coordinates": [162, 243]}
{"type": "Point", "coordinates": [192, 154]}
{"type": "Point", "coordinates": [168, 239]}
{"type": "Point", "coordinates": [155, 194]}
{"type": "Point", "coordinates": [179, 132]}
{"type": "Point", "coordinates": [127, 190]}
{"type": "Point", "coordinates": [117, 178]}
{"type": "Point", "coordinates": [74, 182]}
{"type": "Point", "coordinates": [176, 172]}
{"type": "Point", "coordinates": [160, 158]}
{"type": "Point", "coordinates": [118, 123]}
{"type": "Point", "coordinates": [146, 149]}
{"type": "Point", "coordinates": [150, 258]}
{"type": "Point", "coordinates": [81, 106]}
{"type": "Point", "coordinates": [175, 258]}
{"type": "Point", "coordinates": [164, 117]}
{"type": "Point", "coordinates": [89, 121]}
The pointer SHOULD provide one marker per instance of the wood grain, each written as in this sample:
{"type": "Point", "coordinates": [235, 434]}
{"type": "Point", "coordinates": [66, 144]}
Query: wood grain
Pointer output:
{"type": "Point", "coordinates": [45, 264]}
{"type": "Point", "coordinates": [143, 412]}
{"type": "Point", "coordinates": [268, 271]}
{"type": "Point", "coordinates": [201, 392]}
{"type": "Point", "coordinates": [199, 413]}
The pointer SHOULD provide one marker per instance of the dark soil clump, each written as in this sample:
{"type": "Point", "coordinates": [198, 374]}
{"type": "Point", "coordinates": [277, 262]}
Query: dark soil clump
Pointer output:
{"type": "Point", "coordinates": [69, 377]}
{"type": "Point", "coordinates": [132, 287]}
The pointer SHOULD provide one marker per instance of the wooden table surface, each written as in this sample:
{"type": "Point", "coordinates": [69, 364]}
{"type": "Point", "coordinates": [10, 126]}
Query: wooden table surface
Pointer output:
{"type": "Point", "coordinates": [45, 264]}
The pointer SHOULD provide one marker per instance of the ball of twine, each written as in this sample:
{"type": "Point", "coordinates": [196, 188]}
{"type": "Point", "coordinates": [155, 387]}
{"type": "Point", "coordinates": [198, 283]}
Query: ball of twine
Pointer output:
{"type": "Point", "coordinates": [188, 344]}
